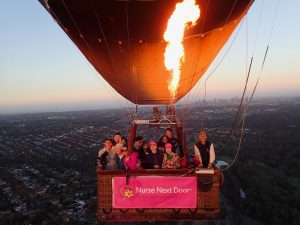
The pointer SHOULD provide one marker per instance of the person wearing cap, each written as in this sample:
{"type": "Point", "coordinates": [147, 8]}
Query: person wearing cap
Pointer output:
{"type": "Point", "coordinates": [106, 156]}
{"type": "Point", "coordinates": [204, 152]}
{"type": "Point", "coordinates": [119, 156]}
{"type": "Point", "coordinates": [171, 159]}
{"type": "Point", "coordinates": [155, 157]}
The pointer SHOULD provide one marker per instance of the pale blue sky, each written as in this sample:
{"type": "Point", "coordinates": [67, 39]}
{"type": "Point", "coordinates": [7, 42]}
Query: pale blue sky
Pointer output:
{"type": "Point", "coordinates": [42, 70]}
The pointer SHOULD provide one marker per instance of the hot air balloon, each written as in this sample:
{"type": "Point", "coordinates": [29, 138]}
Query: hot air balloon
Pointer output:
{"type": "Point", "coordinates": [124, 41]}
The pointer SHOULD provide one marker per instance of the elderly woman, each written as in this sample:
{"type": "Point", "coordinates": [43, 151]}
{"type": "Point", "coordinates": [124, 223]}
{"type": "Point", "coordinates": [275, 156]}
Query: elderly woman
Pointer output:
{"type": "Point", "coordinates": [171, 159]}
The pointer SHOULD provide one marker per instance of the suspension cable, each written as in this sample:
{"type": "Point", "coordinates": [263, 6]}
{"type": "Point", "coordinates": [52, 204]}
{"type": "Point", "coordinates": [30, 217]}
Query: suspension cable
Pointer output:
{"type": "Point", "coordinates": [240, 142]}
{"type": "Point", "coordinates": [232, 8]}
{"type": "Point", "coordinates": [130, 75]}
{"type": "Point", "coordinates": [245, 107]}
{"type": "Point", "coordinates": [238, 111]}
{"type": "Point", "coordinates": [196, 59]}
{"type": "Point", "coordinates": [266, 52]}
{"type": "Point", "coordinates": [253, 92]}
{"type": "Point", "coordinates": [204, 103]}
{"type": "Point", "coordinates": [186, 109]}
{"type": "Point", "coordinates": [107, 45]}
{"type": "Point", "coordinates": [55, 17]}
{"type": "Point", "coordinates": [194, 98]}
{"type": "Point", "coordinates": [92, 54]}
{"type": "Point", "coordinates": [215, 41]}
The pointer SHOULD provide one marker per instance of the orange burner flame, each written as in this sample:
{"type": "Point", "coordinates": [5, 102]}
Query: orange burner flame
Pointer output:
{"type": "Point", "coordinates": [185, 12]}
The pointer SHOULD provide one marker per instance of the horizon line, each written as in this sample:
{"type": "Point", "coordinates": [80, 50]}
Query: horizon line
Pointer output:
{"type": "Point", "coordinates": [78, 109]}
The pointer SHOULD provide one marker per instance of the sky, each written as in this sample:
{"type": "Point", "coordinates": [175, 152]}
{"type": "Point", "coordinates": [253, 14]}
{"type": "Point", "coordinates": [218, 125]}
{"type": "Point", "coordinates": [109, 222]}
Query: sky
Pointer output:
{"type": "Point", "coordinates": [42, 70]}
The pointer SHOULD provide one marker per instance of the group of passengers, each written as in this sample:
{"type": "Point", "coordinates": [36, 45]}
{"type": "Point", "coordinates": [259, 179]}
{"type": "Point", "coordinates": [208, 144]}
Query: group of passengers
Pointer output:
{"type": "Point", "coordinates": [165, 153]}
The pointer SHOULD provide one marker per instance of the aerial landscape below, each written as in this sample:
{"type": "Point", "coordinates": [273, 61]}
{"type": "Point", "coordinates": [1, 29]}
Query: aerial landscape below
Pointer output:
{"type": "Point", "coordinates": [48, 161]}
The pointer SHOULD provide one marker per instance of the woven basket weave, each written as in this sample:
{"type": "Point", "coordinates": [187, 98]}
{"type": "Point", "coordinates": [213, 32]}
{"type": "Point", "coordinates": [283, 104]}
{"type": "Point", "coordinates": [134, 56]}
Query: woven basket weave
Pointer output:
{"type": "Point", "coordinates": [208, 198]}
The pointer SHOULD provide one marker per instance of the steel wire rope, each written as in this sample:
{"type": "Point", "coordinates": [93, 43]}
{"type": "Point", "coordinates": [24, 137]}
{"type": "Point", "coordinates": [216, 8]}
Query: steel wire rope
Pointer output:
{"type": "Point", "coordinates": [215, 41]}
{"type": "Point", "coordinates": [194, 98]}
{"type": "Point", "coordinates": [255, 87]}
{"type": "Point", "coordinates": [264, 60]}
{"type": "Point", "coordinates": [266, 52]}
{"type": "Point", "coordinates": [130, 75]}
{"type": "Point", "coordinates": [106, 44]}
{"type": "Point", "coordinates": [245, 87]}
{"type": "Point", "coordinates": [55, 17]}
{"type": "Point", "coordinates": [239, 144]}
{"type": "Point", "coordinates": [196, 61]}
{"type": "Point", "coordinates": [186, 109]}
{"type": "Point", "coordinates": [204, 101]}
{"type": "Point", "coordinates": [205, 83]}
{"type": "Point", "coordinates": [242, 100]}
{"type": "Point", "coordinates": [254, 90]}
{"type": "Point", "coordinates": [260, 73]}
{"type": "Point", "coordinates": [196, 56]}
{"type": "Point", "coordinates": [233, 125]}
{"type": "Point", "coordinates": [205, 88]}
{"type": "Point", "coordinates": [92, 54]}
{"type": "Point", "coordinates": [113, 92]}
{"type": "Point", "coordinates": [256, 36]}
{"type": "Point", "coordinates": [258, 26]}
{"type": "Point", "coordinates": [187, 99]}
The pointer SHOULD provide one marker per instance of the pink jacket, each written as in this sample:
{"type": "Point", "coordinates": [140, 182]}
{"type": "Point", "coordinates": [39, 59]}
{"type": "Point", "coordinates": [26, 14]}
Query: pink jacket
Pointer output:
{"type": "Point", "coordinates": [132, 161]}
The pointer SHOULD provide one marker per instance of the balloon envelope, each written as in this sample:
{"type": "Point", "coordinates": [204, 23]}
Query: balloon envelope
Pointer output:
{"type": "Point", "coordinates": [123, 40]}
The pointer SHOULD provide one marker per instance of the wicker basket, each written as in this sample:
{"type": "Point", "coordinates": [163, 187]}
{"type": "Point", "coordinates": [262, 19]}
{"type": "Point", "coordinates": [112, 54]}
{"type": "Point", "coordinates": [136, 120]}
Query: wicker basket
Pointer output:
{"type": "Point", "coordinates": [208, 198]}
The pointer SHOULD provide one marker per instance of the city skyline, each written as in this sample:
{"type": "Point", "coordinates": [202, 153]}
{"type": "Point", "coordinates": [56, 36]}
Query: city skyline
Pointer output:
{"type": "Point", "coordinates": [42, 70]}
